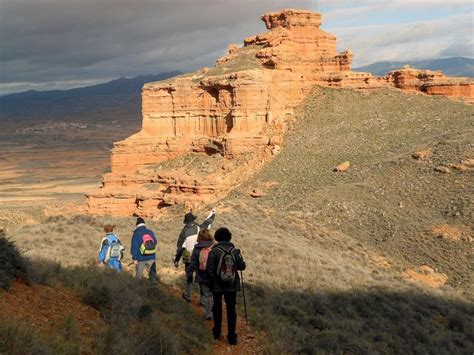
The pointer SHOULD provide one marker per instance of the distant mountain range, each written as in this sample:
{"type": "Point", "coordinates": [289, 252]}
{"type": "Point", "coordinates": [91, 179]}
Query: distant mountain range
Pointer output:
{"type": "Point", "coordinates": [456, 66]}
{"type": "Point", "coordinates": [118, 99]}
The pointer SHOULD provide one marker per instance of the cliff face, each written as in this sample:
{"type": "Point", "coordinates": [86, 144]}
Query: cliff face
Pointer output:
{"type": "Point", "coordinates": [431, 83]}
{"type": "Point", "coordinates": [232, 116]}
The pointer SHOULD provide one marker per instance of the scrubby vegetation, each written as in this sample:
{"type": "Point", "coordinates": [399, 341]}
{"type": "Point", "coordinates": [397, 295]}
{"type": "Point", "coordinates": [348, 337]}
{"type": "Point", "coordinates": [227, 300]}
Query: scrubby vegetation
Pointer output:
{"type": "Point", "coordinates": [139, 318]}
{"type": "Point", "coordinates": [12, 264]}
{"type": "Point", "coordinates": [361, 321]}
{"type": "Point", "coordinates": [19, 338]}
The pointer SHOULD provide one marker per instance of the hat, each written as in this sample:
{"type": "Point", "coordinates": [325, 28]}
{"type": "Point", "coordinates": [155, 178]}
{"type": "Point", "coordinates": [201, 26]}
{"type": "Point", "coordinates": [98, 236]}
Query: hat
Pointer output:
{"type": "Point", "coordinates": [140, 221]}
{"type": "Point", "coordinates": [189, 217]}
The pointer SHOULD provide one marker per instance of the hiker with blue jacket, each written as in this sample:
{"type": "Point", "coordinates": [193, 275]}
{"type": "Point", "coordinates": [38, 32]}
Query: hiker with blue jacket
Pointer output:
{"type": "Point", "coordinates": [223, 264]}
{"type": "Point", "coordinates": [186, 241]}
{"type": "Point", "coordinates": [143, 250]}
{"type": "Point", "coordinates": [198, 264]}
{"type": "Point", "coordinates": [111, 249]}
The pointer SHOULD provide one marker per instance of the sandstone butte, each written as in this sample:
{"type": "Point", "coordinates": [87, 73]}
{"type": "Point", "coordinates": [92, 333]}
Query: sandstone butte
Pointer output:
{"type": "Point", "coordinates": [236, 114]}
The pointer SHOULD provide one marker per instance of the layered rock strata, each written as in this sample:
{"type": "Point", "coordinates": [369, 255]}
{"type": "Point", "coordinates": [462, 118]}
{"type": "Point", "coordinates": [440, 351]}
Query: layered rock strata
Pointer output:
{"type": "Point", "coordinates": [431, 83]}
{"type": "Point", "coordinates": [221, 124]}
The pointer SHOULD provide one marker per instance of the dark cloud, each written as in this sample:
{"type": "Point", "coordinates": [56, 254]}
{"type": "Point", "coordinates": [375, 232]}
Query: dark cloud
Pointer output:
{"type": "Point", "coordinates": [63, 40]}
{"type": "Point", "coordinates": [66, 43]}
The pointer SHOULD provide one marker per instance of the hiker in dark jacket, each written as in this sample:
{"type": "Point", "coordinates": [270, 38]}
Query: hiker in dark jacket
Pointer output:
{"type": "Point", "coordinates": [143, 250]}
{"type": "Point", "coordinates": [223, 265]}
{"type": "Point", "coordinates": [198, 264]}
{"type": "Point", "coordinates": [186, 241]}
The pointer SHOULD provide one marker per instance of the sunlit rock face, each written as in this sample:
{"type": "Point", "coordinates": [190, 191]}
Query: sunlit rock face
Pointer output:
{"type": "Point", "coordinates": [234, 115]}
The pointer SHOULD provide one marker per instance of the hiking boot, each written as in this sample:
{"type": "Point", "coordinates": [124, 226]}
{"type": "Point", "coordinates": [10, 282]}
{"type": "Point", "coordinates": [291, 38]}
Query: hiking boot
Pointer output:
{"type": "Point", "coordinates": [208, 317]}
{"type": "Point", "coordinates": [232, 339]}
{"type": "Point", "coordinates": [216, 335]}
{"type": "Point", "coordinates": [187, 299]}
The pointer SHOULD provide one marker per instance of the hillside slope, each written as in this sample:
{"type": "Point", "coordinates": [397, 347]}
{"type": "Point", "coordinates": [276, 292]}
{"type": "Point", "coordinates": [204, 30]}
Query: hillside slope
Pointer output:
{"type": "Point", "coordinates": [328, 250]}
{"type": "Point", "coordinates": [387, 200]}
{"type": "Point", "coordinates": [456, 66]}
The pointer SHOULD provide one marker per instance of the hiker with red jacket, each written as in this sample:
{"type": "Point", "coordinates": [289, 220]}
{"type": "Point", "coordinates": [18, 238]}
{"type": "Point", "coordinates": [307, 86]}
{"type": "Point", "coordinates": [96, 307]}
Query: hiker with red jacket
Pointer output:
{"type": "Point", "coordinates": [186, 241]}
{"type": "Point", "coordinates": [223, 264]}
{"type": "Point", "coordinates": [143, 251]}
{"type": "Point", "coordinates": [198, 264]}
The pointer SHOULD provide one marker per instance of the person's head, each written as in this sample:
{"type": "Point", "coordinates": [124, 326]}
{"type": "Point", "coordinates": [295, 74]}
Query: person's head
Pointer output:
{"type": "Point", "coordinates": [108, 228]}
{"type": "Point", "coordinates": [204, 234]}
{"type": "Point", "coordinates": [140, 221]}
{"type": "Point", "coordinates": [223, 235]}
{"type": "Point", "coordinates": [188, 218]}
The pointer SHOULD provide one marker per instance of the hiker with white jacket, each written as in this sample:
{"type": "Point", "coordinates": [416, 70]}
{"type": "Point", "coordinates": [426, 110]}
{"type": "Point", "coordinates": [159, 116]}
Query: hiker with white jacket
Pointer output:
{"type": "Point", "coordinates": [186, 241]}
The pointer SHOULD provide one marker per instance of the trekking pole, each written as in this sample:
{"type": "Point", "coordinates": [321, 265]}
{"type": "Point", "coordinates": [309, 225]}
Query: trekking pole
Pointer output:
{"type": "Point", "coordinates": [243, 295]}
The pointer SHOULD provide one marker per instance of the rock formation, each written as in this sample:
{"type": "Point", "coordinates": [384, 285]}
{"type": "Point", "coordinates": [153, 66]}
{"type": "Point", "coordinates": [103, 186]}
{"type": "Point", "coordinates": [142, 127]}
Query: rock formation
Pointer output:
{"type": "Point", "coordinates": [431, 83]}
{"type": "Point", "coordinates": [205, 132]}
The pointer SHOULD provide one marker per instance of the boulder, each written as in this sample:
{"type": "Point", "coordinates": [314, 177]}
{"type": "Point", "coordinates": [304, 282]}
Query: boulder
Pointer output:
{"type": "Point", "coordinates": [342, 167]}
{"type": "Point", "coordinates": [426, 275]}
{"type": "Point", "coordinates": [422, 154]}
{"type": "Point", "coordinates": [443, 169]}
{"type": "Point", "coordinates": [256, 193]}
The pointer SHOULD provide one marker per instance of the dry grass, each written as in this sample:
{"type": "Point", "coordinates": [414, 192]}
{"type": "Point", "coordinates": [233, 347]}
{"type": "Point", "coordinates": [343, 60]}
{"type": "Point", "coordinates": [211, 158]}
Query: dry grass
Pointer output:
{"type": "Point", "coordinates": [140, 318]}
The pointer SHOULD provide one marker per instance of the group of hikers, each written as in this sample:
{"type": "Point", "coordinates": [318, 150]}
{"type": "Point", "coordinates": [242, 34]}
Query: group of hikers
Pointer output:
{"type": "Point", "coordinates": [213, 262]}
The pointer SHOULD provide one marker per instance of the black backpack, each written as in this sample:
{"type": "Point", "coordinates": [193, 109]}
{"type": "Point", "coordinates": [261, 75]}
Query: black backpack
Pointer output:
{"type": "Point", "coordinates": [227, 266]}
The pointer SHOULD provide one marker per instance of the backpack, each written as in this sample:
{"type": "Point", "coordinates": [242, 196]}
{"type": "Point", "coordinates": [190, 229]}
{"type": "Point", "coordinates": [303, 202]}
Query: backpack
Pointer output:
{"type": "Point", "coordinates": [115, 250]}
{"type": "Point", "coordinates": [227, 266]}
{"type": "Point", "coordinates": [203, 256]}
{"type": "Point", "coordinates": [148, 245]}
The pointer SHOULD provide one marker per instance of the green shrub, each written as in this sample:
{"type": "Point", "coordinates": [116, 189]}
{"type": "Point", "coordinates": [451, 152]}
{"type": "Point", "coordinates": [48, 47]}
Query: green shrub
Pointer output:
{"type": "Point", "coordinates": [362, 321]}
{"type": "Point", "coordinates": [21, 339]}
{"type": "Point", "coordinates": [12, 264]}
{"type": "Point", "coordinates": [140, 318]}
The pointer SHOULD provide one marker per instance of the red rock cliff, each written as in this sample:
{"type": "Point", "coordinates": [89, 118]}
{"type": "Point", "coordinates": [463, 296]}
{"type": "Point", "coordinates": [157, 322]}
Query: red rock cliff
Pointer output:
{"type": "Point", "coordinates": [431, 83]}
{"type": "Point", "coordinates": [232, 117]}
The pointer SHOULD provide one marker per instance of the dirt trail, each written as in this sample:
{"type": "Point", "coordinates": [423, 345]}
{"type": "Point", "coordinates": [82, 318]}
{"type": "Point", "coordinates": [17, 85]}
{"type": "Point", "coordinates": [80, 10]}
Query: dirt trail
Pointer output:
{"type": "Point", "coordinates": [247, 339]}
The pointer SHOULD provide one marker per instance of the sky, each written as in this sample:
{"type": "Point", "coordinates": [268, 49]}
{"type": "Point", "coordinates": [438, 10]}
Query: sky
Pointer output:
{"type": "Point", "coordinates": [60, 44]}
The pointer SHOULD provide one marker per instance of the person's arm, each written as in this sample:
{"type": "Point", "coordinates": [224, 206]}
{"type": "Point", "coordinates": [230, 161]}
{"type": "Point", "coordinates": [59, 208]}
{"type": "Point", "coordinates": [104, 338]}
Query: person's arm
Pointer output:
{"type": "Point", "coordinates": [209, 220]}
{"type": "Point", "coordinates": [134, 246]}
{"type": "Point", "coordinates": [212, 263]}
{"type": "Point", "coordinates": [179, 247]}
{"type": "Point", "coordinates": [155, 239]}
{"type": "Point", "coordinates": [239, 260]}
{"type": "Point", "coordinates": [103, 250]}
{"type": "Point", "coordinates": [192, 264]}
{"type": "Point", "coordinates": [178, 255]}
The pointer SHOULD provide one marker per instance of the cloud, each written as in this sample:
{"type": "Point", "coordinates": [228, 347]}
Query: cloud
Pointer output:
{"type": "Point", "coordinates": [49, 41]}
{"type": "Point", "coordinates": [62, 43]}
{"type": "Point", "coordinates": [450, 36]}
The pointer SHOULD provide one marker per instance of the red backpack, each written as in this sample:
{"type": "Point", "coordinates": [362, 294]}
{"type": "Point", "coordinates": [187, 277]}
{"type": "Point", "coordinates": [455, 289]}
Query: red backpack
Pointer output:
{"type": "Point", "coordinates": [203, 256]}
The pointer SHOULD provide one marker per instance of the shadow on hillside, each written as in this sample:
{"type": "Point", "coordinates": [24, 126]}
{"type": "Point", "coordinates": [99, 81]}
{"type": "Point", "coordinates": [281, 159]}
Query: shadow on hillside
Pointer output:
{"type": "Point", "coordinates": [365, 321]}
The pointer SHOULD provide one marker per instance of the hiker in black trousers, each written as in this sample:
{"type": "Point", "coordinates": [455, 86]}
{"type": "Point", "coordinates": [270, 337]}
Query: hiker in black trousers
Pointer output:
{"type": "Point", "coordinates": [223, 264]}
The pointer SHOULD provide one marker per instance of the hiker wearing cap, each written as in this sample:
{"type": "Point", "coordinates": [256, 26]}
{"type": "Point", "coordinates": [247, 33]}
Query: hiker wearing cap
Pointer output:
{"type": "Point", "coordinates": [223, 263]}
{"type": "Point", "coordinates": [186, 241]}
{"type": "Point", "coordinates": [198, 264]}
{"type": "Point", "coordinates": [143, 251]}
{"type": "Point", "coordinates": [111, 249]}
